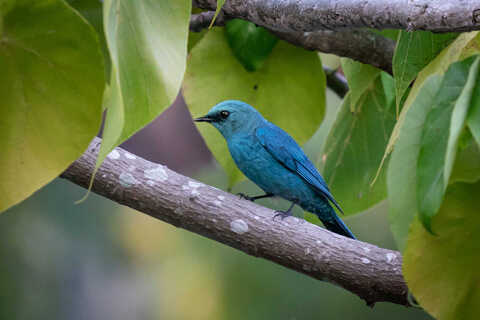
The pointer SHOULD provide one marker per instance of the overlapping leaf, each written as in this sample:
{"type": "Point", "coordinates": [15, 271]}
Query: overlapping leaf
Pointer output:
{"type": "Point", "coordinates": [442, 271]}
{"type": "Point", "coordinates": [148, 63]}
{"type": "Point", "coordinates": [354, 148]}
{"type": "Point", "coordinates": [414, 51]}
{"type": "Point", "coordinates": [289, 90]}
{"type": "Point", "coordinates": [51, 86]}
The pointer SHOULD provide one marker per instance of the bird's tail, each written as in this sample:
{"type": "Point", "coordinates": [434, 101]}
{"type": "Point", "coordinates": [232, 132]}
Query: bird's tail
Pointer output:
{"type": "Point", "coordinates": [335, 224]}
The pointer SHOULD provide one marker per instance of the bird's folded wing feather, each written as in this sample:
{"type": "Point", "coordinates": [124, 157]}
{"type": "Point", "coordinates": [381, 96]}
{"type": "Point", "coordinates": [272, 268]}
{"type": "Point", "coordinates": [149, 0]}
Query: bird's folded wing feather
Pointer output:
{"type": "Point", "coordinates": [285, 150]}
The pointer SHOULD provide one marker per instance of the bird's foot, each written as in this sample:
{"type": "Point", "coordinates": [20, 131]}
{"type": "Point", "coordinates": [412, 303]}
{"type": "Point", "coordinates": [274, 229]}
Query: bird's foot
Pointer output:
{"type": "Point", "coordinates": [282, 214]}
{"type": "Point", "coordinates": [245, 197]}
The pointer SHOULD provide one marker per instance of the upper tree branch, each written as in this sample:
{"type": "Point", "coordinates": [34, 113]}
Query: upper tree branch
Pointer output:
{"type": "Point", "coordinates": [314, 15]}
{"type": "Point", "coordinates": [371, 272]}
{"type": "Point", "coordinates": [360, 45]}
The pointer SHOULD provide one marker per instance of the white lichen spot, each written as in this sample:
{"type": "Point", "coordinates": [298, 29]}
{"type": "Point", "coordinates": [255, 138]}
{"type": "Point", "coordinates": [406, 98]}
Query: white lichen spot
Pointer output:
{"type": "Point", "coordinates": [114, 155]}
{"type": "Point", "coordinates": [214, 220]}
{"type": "Point", "coordinates": [178, 210]}
{"type": "Point", "coordinates": [194, 185]}
{"type": "Point", "coordinates": [131, 168]}
{"type": "Point", "coordinates": [239, 226]}
{"type": "Point", "coordinates": [157, 174]}
{"type": "Point", "coordinates": [217, 203]}
{"type": "Point", "coordinates": [390, 256]}
{"type": "Point", "coordinates": [130, 156]}
{"type": "Point", "coordinates": [366, 249]}
{"type": "Point", "coordinates": [195, 192]}
{"type": "Point", "coordinates": [126, 179]}
{"type": "Point", "coordinates": [307, 251]}
{"type": "Point", "coordinates": [185, 187]}
{"type": "Point", "coordinates": [151, 183]}
{"type": "Point", "coordinates": [104, 175]}
{"type": "Point", "coordinates": [365, 260]}
{"type": "Point", "coordinates": [256, 218]}
{"type": "Point", "coordinates": [318, 242]}
{"type": "Point", "coordinates": [221, 198]}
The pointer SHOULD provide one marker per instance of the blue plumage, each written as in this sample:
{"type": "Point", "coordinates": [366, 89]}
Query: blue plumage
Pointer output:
{"type": "Point", "coordinates": [269, 157]}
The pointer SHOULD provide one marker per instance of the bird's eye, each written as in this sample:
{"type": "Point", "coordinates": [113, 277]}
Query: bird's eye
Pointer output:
{"type": "Point", "coordinates": [224, 114]}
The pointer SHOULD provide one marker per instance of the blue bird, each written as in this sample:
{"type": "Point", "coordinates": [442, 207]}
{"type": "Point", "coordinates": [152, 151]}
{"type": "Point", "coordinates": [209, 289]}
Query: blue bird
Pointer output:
{"type": "Point", "coordinates": [269, 157]}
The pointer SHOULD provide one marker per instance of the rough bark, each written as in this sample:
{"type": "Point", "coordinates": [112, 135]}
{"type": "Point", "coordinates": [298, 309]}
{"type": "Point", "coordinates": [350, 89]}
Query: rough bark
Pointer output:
{"type": "Point", "coordinates": [360, 45]}
{"type": "Point", "coordinates": [373, 273]}
{"type": "Point", "coordinates": [314, 15]}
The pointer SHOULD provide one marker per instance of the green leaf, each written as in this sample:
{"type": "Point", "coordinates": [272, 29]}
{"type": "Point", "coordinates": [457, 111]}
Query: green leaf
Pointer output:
{"type": "Point", "coordinates": [473, 119]}
{"type": "Point", "coordinates": [442, 271]}
{"type": "Point", "coordinates": [148, 63]}
{"type": "Point", "coordinates": [51, 85]}
{"type": "Point", "coordinates": [441, 131]}
{"type": "Point", "coordinates": [414, 51]}
{"type": "Point", "coordinates": [250, 44]}
{"type": "Point", "coordinates": [359, 77]}
{"type": "Point", "coordinates": [467, 162]}
{"type": "Point", "coordinates": [354, 148]}
{"type": "Point", "coordinates": [465, 45]}
{"type": "Point", "coordinates": [402, 169]}
{"type": "Point", "coordinates": [288, 90]}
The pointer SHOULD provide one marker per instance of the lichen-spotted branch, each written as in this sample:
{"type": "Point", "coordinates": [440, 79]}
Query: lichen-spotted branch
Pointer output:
{"type": "Point", "coordinates": [373, 273]}
{"type": "Point", "coordinates": [314, 15]}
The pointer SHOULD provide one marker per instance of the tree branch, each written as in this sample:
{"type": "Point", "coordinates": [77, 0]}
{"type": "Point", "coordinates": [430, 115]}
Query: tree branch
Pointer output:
{"type": "Point", "coordinates": [360, 45]}
{"type": "Point", "coordinates": [373, 273]}
{"type": "Point", "coordinates": [314, 15]}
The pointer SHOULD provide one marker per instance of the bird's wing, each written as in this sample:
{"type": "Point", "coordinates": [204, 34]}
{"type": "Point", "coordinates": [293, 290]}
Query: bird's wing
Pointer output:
{"type": "Point", "coordinates": [285, 150]}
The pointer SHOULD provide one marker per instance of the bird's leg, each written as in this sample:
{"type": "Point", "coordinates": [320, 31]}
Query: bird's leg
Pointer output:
{"type": "Point", "coordinates": [284, 214]}
{"type": "Point", "coordinates": [244, 196]}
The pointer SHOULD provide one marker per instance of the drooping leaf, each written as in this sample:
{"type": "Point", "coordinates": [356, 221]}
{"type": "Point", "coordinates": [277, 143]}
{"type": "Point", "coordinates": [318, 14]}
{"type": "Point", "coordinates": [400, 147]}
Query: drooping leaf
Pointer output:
{"type": "Point", "coordinates": [473, 118]}
{"type": "Point", "coordinates": [413, 52]}
{"type": "Point", "coordinates": [51, 84]}
{"type": "Point", "coordinates": [440, 134]}
{"type": "Point", "coordinates": [289, 90]}
{"type": "Point", "coordinates": [354, 149]}
{"type": "Point", "coordinates": [402, 169]}
{"type": "Point", "coordinates": [465, 45]}
{"type": "Point", "coordinates": [359, 77]}
{"type": "Point", "coordinates": [442, 271]}
{"type": "Point", "coordinates": [148, 63]}
{"type": "Point", "coordinates": [250, 44]}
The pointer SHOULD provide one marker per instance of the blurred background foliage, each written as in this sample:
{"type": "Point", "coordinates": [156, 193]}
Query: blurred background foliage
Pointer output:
{"type": "Point", "coordinates": [99, 260]}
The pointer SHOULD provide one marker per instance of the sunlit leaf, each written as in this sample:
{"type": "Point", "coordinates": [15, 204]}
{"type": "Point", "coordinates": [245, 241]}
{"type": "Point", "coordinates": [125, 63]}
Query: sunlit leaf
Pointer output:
{"type": "Point", "coordinates": [442, 271]}
{"type": "Point", "coordinates": [289, 90]}
{"type": "Point", "coordinates": [360, 77]}
{"type": "Point", "coordinates": [467, 162]}
{"type": "Point", "coordinates": [465, 45]}
{"type": "Point", "coordinates": [250, 44]}
{"type": "Point", "coordinates": [51, 85]}
{"type": "Point", "coordinates": [354, 149]}
{"type": "Point", "coordinates": [413, 52]}
{"type": "Point", "coordinates": [148, 63]}
{"type": "Point", "coordinates": [443, 125]}
{"type": "Point", "coordinates": [402, 169]}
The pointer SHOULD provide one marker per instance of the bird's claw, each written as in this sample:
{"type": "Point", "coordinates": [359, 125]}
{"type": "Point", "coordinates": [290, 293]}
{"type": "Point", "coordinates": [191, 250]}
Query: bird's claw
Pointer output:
{"type": "Point", "coordinates": [281, 214]}
{"type": "Point", "coordinates": [245, 197]}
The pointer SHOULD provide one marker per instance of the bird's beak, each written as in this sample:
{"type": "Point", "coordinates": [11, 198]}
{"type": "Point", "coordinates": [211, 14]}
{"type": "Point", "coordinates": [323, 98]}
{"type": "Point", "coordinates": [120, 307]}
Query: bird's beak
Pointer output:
{"type": "Point", "coordinates": [203, 119]}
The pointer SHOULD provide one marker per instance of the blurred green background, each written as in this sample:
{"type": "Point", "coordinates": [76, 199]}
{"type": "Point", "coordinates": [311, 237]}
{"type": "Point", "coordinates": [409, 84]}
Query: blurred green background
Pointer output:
{"type": "Point", "coordinates": [99, 260]}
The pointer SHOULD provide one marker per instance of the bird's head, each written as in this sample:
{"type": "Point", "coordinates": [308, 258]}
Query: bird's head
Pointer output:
{"type": "Point", "coordinates": [232, 116]}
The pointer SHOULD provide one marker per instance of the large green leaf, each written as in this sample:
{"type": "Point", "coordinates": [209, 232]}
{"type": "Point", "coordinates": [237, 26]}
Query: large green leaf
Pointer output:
{"type": "Point", "coordinates": [442, 271]}
{"type": "Point", "coordinates": [473, 119]}
{"type": "Point", "coordinates": [413, 52]}
{"type": "Point", "coordinates": [360, 77]}
{"type": "Point", "coordinates": [147, 41]}
{"type": "Point", "coordinates": [402, 169]}
{"type": "Point", "coordinates": [250, 44]}
{"type": "Point", "coordinates": [354, 148]}
{"type": "Point", "coordinates": [51, 84]}
{"type": "Point", "coordinates": [289, 90]}
{"type": "Point", "coordinates": [467, 162]}
{"type": "Point", "coordinates": [465, 45]}
{"type": "Point", "coordinates": [443, 125]}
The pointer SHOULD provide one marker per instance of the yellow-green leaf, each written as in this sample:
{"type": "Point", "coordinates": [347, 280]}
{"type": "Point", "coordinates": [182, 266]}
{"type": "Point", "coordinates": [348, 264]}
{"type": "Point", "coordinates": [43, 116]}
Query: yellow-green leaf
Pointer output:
{"type": "Point", "coordinates": [147, 41]}
{"type": "Point", "coordinates": [442, 271]}
{"type": "Point", "coordinates": [51, 84]}
{"type": "Point", "coordinates": [289, 90]}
